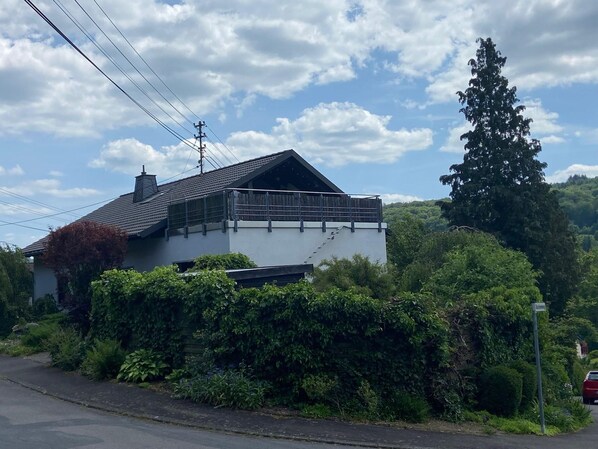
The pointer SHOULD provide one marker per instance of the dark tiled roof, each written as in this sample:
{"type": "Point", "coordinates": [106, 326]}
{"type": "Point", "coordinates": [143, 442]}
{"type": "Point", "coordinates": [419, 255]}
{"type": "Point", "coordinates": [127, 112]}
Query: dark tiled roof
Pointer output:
{"type": "Point", "coordinates": [138, 219]}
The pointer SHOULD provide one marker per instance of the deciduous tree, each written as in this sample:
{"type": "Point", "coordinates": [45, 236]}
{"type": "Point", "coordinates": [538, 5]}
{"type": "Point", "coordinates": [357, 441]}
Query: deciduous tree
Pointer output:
{"type": "Point", "coordinates": [78, 253]}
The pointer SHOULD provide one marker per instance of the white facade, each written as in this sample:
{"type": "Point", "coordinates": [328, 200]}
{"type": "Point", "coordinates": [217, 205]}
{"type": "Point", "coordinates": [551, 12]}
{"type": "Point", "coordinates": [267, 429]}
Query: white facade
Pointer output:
{"type": "Point", "coordinates": [282, 243]}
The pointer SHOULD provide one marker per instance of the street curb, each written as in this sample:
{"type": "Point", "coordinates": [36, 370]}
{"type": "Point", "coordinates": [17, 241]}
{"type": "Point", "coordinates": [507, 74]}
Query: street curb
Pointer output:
{"type": "Point", "coordinates": [232, 431]}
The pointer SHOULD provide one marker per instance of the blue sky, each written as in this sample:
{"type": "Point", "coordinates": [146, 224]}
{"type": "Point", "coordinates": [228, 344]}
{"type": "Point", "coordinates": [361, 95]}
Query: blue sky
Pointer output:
{"type": "Point", "coordinates": [364, 90]}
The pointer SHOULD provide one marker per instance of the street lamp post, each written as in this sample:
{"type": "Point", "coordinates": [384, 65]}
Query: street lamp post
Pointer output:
{"type": "Point", "coordinates": [539, 307]}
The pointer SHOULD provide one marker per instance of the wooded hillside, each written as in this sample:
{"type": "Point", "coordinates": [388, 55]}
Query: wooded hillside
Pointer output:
{"type": "Point", "coordinates": [578, 197]}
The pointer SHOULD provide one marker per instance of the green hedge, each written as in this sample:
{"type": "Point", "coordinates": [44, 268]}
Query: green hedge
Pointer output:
{"type": "Point", "coordinates": [141, 311]}
{"type": "Point", "coordinates": [290, 333]}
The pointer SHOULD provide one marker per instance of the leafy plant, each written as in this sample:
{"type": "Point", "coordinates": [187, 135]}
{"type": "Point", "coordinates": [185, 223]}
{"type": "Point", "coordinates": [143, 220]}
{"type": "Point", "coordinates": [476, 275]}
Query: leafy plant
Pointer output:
{"type": "Point", "coordinates": [142, 365]}
{"type": "Point", "coordinates": [67, 349]}
{"type": "Point", "coordinates": [103, 360]}
{"type": "Point", "coordinates": [405, 407]}
{"type": "Point", "coordinates": [230, 388]}
{"type": "Point", "coordinates": [231, 261]}
{"type": "Point", "coordinates": [36, 337]}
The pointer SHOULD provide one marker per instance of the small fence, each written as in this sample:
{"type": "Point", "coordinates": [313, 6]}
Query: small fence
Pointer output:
{"type": "Point", "coordinates": [278, 205]}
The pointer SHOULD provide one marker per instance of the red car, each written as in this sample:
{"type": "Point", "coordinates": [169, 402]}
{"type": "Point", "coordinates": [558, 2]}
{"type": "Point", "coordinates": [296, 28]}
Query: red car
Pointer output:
{"type": "Point", "coordinates": [590, 388]}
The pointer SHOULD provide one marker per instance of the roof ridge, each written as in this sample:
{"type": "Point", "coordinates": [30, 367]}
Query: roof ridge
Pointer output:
{"type": "Point", "coordinates": [222, 168]}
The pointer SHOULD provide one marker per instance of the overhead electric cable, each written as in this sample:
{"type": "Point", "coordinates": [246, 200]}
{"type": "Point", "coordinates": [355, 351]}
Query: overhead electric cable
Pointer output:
{"type": "Point", "coordinates": [144, 61]}
{"type": "Point", "coordinates": [22, 208]}
{"type": "Point", "coordinates": [30, 200]}
{"type": "Point", "coordinates": [23, 226]}
{"type": "Point", "coordinates": [159, 78]}
{"type": "Point", "coordinates": [78, 24]}
{"type": "Point", "coordinates": [76, 48]}
{"type": "Point", "coordinates": [6, 223]}
{"type": "Point", "coordinates": [223, 144]}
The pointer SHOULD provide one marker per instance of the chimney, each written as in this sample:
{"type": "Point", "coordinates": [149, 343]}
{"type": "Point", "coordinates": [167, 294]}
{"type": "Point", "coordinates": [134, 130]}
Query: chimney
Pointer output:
{"type": "Point", "coordinates": [145, 186]}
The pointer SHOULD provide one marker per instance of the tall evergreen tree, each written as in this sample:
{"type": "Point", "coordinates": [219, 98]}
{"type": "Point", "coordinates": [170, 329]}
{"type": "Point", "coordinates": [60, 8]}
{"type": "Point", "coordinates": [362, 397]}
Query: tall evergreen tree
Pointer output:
{"type": "Point", "coordinates": [500, 188]}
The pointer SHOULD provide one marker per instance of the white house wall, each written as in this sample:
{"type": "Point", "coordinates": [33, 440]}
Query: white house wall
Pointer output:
{"type": "Point", "coordinates": [44, 281]}
{"type": "Point", "coordinates": [146, 254]}
{"type": "Point", "coordinates": [287, 245]}
{"type": "Point", "coordinates": [284, 245]}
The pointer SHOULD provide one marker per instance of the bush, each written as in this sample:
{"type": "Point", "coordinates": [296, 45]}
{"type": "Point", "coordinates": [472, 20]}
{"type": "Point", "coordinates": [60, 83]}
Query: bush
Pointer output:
{"type": "Point", "coordinates": [36, 337]}
{"type": "Point", "coordinates": [67, 349]}
{"type": "Point", "coordinates": [359, 273]}
{"type": "Point", "coordinates": [103, 360]}
{"type": "Point", "coordinates": [141, 366]}
{"type": "Point", "coordinates": [141, 310]}
{"type": "Point", "coordinates": [405, 407]}
{"type": "Point", "coordinates": [319, 388]}
{"type": "Point", "coordinates": [500, 391]}
{"type": "Point", "coordinates": [529, 382]}
{"type": "Point", "coordinates": [45, 305]}
{"type": "Point", "coordinates": [232, 261]}
{"type": "Point", "coordinates": [567, 416]}
{"type": "Point", "coordinates": [230, 388]}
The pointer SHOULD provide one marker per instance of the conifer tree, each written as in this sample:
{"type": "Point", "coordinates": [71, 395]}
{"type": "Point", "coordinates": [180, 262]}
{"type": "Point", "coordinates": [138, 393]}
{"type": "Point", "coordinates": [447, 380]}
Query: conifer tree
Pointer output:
{"type": "Point", "coordinates": [499, 187]}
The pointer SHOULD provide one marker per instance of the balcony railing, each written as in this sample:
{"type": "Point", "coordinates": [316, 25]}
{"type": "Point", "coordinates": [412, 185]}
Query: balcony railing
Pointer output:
{"type": "Point", "coordinates": [274, 205]}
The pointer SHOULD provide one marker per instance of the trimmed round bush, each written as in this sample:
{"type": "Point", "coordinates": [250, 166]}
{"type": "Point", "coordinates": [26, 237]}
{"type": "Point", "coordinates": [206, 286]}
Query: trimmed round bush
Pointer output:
{"type": "Point", "coordinates": [529, 382]}
{"type": "Point", "coordinates": [500, 390]}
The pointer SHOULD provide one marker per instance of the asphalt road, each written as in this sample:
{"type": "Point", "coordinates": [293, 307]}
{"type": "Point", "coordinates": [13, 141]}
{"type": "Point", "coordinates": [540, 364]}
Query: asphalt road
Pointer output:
{"type": "Point", "coordinates": [30, 420]}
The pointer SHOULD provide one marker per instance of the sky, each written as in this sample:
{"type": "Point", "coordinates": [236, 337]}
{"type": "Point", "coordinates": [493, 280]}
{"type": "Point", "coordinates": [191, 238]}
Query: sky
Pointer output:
{"type": "Point", "coordinates": [364, 90]}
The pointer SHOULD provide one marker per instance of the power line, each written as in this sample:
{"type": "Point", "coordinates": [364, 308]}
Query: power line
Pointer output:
{"type": "Point", "coordinates": [28, 210]}
{"type": "Point", "coordinates": [22, 226]}
{"type": "Point", "coordinates": [223, 144]}
{"type": "Point", "coordinates": [37, 203]}
{"type": "Point", "coordinates": [78, 24]}
{"type": "Point", "coordinates": [6, 223]}
{"type": "Point", "coordinates": [145, 62]}
{"type": "Point", "coordinates": [156, 75]}
{"type": "Point", "coordinates": [78, 50]}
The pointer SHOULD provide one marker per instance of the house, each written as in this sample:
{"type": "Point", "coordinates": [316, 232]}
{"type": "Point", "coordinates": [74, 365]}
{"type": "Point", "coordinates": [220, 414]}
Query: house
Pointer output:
{"type": "Point", "coordinates": [276, 209]}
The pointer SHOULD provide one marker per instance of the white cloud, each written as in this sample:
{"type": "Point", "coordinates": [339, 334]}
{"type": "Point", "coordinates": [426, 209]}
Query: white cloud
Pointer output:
{"type": "Point", "coordinates": [211, 54]}
{"type": "Point", "coordinates": [544, 123]}
{"type": "Point", "coordinates": [576, 169]}
{"type": "Point", "coordinates": [453, 143]}
{"type": "Point", "coordinates": [388, 198]}
{"type": "Point", "coordinates": [14, 171]}
{"type": "Point", "coordinates": [334, 134]}
{"type": "Point", "coordinates": [56, 173]}
{"type": "Point", "coordinates": [552, 140]}
{"type": "Point", "coordinates": [128, 155]}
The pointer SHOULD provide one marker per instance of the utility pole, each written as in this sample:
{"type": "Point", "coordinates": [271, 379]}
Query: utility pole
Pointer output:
{"type": "Point", "coordinates": [539, 307]}
{"type": "Point", "coordinates": [202, 146]}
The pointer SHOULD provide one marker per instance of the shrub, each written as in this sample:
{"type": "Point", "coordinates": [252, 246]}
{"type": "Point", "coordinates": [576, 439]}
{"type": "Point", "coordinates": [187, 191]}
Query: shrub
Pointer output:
{"type": "Point", "coordinates": [405, 407]}
{"type": "Point", "coordinates": [36, 337]}
{"type": "Point", "coordinates": [141, 310]}
{"type": "Point", "coordinates": [529, 382]}
{"type": "Point", "coordinates": [141, 366]}
{"type": "Point", "coordinates": [359, 273]}
{"type": "Point", "coordinates": [103, 360]}
{"type": "Point", "coordinates": [45, 305]}
{"type": "Point", "coordinates": [67, 349]}
{"type": "Point", "coordinates": [500, 391]}
{"type": "Point", "coordinates": [232, 261]}
{"type": "Point", "coordinates": [230, 388]}
{"type": "Point", "coordinates": [319, 388]}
